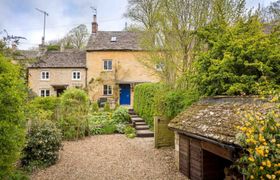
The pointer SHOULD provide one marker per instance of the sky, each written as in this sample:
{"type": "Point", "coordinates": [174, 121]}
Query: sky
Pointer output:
{"type": "Point", "coordinates": [19, 17]}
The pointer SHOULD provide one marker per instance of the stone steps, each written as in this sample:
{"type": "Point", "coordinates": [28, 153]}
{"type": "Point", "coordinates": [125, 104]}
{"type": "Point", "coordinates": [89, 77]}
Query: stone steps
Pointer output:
{"type": "Point", "coordinates": [142, 129]}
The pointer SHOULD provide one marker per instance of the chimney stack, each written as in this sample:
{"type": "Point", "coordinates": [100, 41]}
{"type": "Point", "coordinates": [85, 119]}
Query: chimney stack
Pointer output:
{"type": "Point", "coordinates": [94, 25]}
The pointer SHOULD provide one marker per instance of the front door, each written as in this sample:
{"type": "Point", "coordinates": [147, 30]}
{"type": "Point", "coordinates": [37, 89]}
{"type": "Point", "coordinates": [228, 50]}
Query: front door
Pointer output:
{"type": "Point", "coordinates": [124, 94]}
{"type": "Point", "coordinates": [59, 92]}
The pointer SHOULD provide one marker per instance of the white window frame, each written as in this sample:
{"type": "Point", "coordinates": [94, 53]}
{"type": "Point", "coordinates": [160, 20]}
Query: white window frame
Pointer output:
{"type": "Point", "coordinates": [159, 66]}
{"type": "Point", "coordinates": [44, 75]}
{"type": "Point", "coordinates": [43, 92]}
{"type": "Point", "coordinates": [106, 61]}
{"type": "Point", "coordinates": [107, 90]}
{"type": "Point", "coordinates": [75, 75]}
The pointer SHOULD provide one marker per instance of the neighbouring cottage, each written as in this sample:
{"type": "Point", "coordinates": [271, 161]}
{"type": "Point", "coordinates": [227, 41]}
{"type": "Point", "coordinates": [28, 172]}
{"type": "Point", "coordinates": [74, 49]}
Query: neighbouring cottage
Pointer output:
{"type": "Point", "coordinates": [113, 65]}
{"type": "Point", "coordinates": [56, 71]}
{"type": "Point", "coordinates": [205, 135]}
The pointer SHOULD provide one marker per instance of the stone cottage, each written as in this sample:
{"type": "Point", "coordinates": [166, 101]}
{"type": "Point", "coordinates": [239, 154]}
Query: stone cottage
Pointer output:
{"type": "Point", "coordinates": [109, 68]}
{"type": "Point", "coordinates": [56, 71]}
{"type": "Point", "coordinates": [206, 142]}
{"type": "Point", "coordinates": [113, 66]}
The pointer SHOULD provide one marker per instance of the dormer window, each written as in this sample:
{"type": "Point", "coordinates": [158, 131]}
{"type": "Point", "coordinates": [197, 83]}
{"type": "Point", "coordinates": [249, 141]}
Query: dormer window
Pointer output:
{"type": "Point", "coordinates": [113, 39]}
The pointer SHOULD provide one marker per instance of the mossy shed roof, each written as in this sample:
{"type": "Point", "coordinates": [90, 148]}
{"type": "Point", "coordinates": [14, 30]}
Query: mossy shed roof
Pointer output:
{"type": "Point", "coordinates": [216, 118]}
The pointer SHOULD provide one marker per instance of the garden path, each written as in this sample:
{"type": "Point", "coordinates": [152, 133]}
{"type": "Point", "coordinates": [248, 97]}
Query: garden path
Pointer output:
{"type": "Point", "coordinates": [112, 157]}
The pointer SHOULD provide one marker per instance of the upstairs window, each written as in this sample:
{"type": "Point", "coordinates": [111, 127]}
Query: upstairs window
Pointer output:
{"type": "Point", "coordinates": [107, 65]}
{"type": "Point", "coordinates": [45, 75]}
{"type": "Point", "coordinates": [76, 75]}
{"type": "Point", "coordinates": [107, 90]}
{"type": "Point", "coordinates": [44, 92]}
{"type": "Point", "coordinates": [159, 66]}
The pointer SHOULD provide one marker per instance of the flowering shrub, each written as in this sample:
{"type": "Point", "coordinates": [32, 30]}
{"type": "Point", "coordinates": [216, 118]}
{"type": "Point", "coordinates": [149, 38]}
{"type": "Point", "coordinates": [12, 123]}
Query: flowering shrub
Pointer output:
{"type": "Point", "coordinates": [260, 139]}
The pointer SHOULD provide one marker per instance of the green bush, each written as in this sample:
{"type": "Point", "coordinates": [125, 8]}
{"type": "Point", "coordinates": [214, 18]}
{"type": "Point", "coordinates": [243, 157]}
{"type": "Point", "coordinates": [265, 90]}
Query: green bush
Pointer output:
{"type": "Point", "coordinates": [130, 132]}
{"type": "Point", "coordinates": [144, 99]}
{"type": "Point", "coordinates": [13, 93]}
{"type": "Point", "coordinates": [42, 147]}
{"type": "Point", "coordinates": [94, 107]}
{"type": "Point", "coordinates": [43, 105]}
{"type": "Point", "coordinates": [74, 114]}
{"type": "Point", "coordinates": [101, 123]}
{"type": "Point", "coordinates": [107, 107]}
{"type": "Point", "coordinates": [121, 127]}
{"type": "Point", "coordinates": [121, 115]}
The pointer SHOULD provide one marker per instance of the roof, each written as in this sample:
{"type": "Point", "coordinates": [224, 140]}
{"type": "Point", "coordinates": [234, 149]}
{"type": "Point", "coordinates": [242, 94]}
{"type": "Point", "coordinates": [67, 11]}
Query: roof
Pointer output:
{"type": "Point", "coordinates": [26, 54]}
{"type": "Point", "coordinates": [125, 40]}
{"type": "Point", "coordinates": [75, 59]}
{"type": "Point", "coordinates": [216, 118]}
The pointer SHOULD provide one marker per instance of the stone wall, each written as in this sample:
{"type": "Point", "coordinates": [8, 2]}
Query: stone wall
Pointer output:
{"type": "Point", "coordinates": [163, 136]}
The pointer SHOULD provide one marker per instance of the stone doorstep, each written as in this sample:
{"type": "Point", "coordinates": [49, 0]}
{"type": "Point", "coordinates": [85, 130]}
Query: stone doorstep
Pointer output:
{"type": "Point", "coordinates": [142, 127]}
{"type": "Point", "coordinates": [134, 116]}
{"type": "Point", "coordinates": [144, 133]}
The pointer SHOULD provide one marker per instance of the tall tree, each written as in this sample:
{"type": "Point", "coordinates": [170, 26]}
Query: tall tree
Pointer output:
{"type": "Point", "coordinates": [271, 13]}
{"type": "Point", "coordinates": [77, 37]}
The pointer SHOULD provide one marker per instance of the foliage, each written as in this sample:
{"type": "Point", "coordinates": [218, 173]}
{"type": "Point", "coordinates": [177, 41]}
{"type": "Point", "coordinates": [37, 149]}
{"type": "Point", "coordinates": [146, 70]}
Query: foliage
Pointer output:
{"type": "Point", "coordinates": [121, 127]}
{"type": "Point", "coordinates": [94, 107]}
{"type": "Point", "coordinates": [169, 103]}
{"type": "Point", "coordinates": [53, 47]}
{"type": "Point", "coordinates": [107, 107]}
{"type": "Point", "coordinates": [12, 120]}
{"type": "Point", "coordinates": [120, 115]}
{"type": "Point", "coordinates": [101, 123]}
{"type": "Point", "coordinates": [144, 99]}
{"type": "Point", "coordinates": [77, 37]}
{"type": "Point", "coordinates": [42, 146]}
{"type": "Point", "coordinates": [260, 138]}
{"type": "Point", "coordinates": [241, 59]}
{"type": "Point", "coordinates": [74, 111]}
{"type": "Point", "coordinates": [130, 132]}
{"type": "Point", "coordinates": [43, 108]}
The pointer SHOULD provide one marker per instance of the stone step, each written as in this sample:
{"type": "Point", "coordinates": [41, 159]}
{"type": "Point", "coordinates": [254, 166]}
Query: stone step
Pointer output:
{"type": "Point", "coordinates": [139, 123]}
{"type": "Point", "coordinates": [144, 133]}
{"type": "Point", "coordinates": [142, 127]}
{"type": "Point", "coordinates": [131, 113]}
{"type": "Point", "coordinates": [134, 116]}
{"type": "Point", "coordinates": [137, 119]}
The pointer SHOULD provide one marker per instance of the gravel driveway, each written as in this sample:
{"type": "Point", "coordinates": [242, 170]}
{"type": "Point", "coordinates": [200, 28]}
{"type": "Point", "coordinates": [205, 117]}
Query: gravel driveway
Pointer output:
{"type": "Point", "coordinates": [112, 157]}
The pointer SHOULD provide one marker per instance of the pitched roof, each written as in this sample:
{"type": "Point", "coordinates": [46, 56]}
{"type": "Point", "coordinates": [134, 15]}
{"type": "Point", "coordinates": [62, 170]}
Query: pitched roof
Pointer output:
{"type": "Point", "coordinates": [217, 118]}
{"type": "Point", "coordinates": [26, 54]}
{"type": "Point", "coordinates": [61, 60]}
{"type": "Point", "coordinates": [125, 40]}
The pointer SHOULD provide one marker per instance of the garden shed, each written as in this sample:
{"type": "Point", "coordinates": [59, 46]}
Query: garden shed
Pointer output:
{"type": "Point", "coordinates": [205, 135]}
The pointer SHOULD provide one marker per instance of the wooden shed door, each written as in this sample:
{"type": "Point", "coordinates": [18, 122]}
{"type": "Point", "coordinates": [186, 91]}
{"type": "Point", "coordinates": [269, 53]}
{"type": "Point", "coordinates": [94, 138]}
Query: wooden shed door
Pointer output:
{"type": "Point", "coordinates": [195, 160]}
{"type": "Point", "coordinates": [190, 157]}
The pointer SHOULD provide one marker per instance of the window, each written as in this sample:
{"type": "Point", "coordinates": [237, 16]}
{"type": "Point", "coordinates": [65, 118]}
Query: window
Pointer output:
{"type": "Point", "coordinates": [107, 65]}
{"type": "Point", "coordinates": [107, 90]}
{"type": "Point", "coordinates": [45, 75]}
{"type": "Point", "coordinates": [76, 75]}
{"type": "Point", "coordinates": [44, 92]}
{"type": "Point", "coordinates": [159, 66]}
{"type": "Point", "coordinates": [113, 39]}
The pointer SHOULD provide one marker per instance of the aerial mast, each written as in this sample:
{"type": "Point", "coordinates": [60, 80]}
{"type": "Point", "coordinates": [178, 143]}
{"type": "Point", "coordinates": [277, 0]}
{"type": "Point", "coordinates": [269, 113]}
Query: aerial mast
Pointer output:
{"type": "Point", "coordinates": [45, 14]}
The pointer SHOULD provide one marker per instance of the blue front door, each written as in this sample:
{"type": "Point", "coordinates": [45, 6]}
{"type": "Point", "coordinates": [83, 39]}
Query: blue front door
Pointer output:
{"type": "Point", "coordinates": [124, 94]}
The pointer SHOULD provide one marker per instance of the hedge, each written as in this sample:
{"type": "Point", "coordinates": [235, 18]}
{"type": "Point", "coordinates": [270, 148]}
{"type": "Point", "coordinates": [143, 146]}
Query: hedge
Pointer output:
{"type": "Point", "coordinates": [144, 99]}
{"type": "Point", "coordinates": [152, 99]}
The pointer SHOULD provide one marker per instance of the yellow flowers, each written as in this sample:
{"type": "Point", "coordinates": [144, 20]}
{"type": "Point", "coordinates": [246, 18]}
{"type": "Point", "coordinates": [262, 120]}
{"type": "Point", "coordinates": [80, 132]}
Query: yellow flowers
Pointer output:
{"type": "Point", "coordinates": [251, 159]}
{"type": "Point", "coordinates": [258, 138]}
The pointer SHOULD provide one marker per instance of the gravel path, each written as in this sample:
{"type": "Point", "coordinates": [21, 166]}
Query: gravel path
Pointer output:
{"type": "Point", "coordinates": [112, 157]}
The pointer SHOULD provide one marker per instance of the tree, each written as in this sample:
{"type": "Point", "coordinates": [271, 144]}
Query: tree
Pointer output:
{"type": "Point", "coordinates": [12, 120]}
{"type": "Point", "coordinates": [271, 13]}
{"type": "Point", "coordinates": [241, 59]}
{"type": "Point", "coordinates": [77, 37]}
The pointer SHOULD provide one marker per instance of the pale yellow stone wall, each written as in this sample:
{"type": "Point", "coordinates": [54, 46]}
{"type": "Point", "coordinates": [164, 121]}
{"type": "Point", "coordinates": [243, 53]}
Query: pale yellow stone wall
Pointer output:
{"type": "Point", "coordinates": [58, 76]}
{"type": "Point", "coordinates": [127, 67]}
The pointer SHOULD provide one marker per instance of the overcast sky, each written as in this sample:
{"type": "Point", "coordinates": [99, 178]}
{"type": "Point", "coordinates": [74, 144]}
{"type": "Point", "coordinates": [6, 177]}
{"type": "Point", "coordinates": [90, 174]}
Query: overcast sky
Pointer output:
{"type": "Point", "coordinates": [20, 18]}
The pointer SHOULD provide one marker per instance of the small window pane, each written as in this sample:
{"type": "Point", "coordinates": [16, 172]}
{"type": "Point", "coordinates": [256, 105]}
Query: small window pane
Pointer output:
{"type": "Point", "coordinates": [107, 64]}
{"type": "Point", "coordinates": [47, 92]}
{"type": "Point", "coordinates": [42, 93]}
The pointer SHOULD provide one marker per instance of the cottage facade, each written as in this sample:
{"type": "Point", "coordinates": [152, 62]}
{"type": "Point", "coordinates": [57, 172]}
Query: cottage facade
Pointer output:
{"type": "Point", "coordinates": [114, 67]}
{"type": "Point", "coordinates": [109, 68]}
{"type": "Point", "coordinates": [57, 71]}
